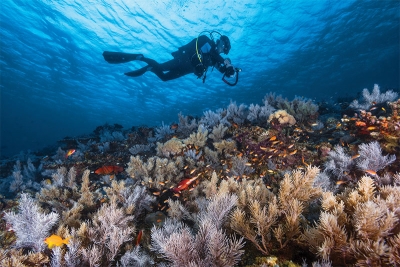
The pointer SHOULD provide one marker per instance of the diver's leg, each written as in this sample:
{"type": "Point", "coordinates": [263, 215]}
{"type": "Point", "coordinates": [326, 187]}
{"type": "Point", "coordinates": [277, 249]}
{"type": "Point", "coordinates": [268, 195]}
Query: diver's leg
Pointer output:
{"type": "Point", "coordinates": [170, 75]}
{"type": "Point", "coordinates": [158, 69]}
{"type": "Point", "coordinates": [172, 66]}
{"type": "Point", "coordinates": [119, 57]}
{"type": "Point", "coordinates": [139, 72]}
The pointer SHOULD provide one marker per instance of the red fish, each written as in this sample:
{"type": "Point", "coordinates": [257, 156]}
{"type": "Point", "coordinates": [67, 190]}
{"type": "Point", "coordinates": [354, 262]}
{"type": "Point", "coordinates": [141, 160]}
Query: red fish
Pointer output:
{"type": "Point", "coordinates": [139, 237]}
{"type": "Point", "coordinates": [184, 184]}
{"type": "Point", "coordinates": [112, 169]}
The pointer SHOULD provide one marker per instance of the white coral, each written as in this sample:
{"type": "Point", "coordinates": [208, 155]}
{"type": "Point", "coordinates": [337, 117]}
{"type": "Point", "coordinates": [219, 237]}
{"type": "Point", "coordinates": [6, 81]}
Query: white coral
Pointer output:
{"type": "Point", "coordinates": [371, 157]}
{"type": "Point", "coordinates": [30, 225]}
{"type": "Point", "coordinates": [210, 246]}
{"type": "Point", "coordinates": [374, 97]}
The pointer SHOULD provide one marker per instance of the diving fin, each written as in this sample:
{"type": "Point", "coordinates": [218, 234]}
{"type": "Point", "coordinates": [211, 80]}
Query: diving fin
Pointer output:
{"type": "Point", "coordinates": [139, 72]}
{"type": "Point", "coordinates": [119, 57]}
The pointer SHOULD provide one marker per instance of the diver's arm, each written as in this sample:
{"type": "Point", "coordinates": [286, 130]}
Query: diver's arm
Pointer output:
{"type": "Point", "coordinates": [225, 66]}
{"type": "Point", "coordinates": [219, 62]}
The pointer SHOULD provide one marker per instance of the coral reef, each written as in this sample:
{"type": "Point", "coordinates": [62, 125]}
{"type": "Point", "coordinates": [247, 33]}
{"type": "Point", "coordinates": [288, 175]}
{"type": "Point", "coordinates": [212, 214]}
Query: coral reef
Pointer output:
{"type": "Point", "coordinates": [264, 185]}
{"type": "Point", "coordinates": [359, 226]}
{"type": "Point", "coordinates": [209, 247]}
{"type": "Point", "coordinates": [277, 220]}
{"type": "Point", "coordinates": [380, 122]}
{"type": "Point", "coordinates": [30, 225]}
{"type": "Point", "coordinates": [373, 98]}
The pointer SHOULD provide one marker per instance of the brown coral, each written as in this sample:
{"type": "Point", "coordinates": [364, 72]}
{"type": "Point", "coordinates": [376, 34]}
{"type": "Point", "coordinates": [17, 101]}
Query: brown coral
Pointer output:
{"type": "Point", "coordinates": [360, 226]}
{"type": "Point", "coordinates": [282, 117]}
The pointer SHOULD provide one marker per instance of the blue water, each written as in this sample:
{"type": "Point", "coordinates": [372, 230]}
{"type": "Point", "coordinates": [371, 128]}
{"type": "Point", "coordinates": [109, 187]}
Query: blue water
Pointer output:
{"type": "Point", "coordinates": [55, 83]}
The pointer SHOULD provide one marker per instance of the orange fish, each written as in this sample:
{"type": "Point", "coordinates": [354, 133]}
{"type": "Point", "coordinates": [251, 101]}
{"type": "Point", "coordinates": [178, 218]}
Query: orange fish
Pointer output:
{"type": "Point", "coordinates": [184, 184]}
{"type": "Point", "coordinates": [55, 240]}
{"type": "Point", "coordinates": [112, 169]}
{"type": "Point", "coordinates": [70, 152]}
{"type": "Point", "coordinates": [340, 182]}
{"type": "Point", "coordinates": [139, 237]}
{"type": "Point", "coordinates": [371, 172]}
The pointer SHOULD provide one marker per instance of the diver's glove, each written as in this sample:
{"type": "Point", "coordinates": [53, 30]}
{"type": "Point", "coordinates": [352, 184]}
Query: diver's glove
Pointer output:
{"type": "Point", "coordinates": [230, 71]}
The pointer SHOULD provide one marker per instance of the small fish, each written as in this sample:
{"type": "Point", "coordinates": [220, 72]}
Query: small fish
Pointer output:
{"type": "Point", "coordinates": [263, 148]}
{"type": "Point", "coordinates": [70, 152]}
{"type": "Point", "coordinates": [371, 172]}
{"type": "Point", "coordinates": [111, 169]}
{"type": "Point", "coordinates": [273, 138]}
{"type": "Point", "coordinates": [373, 108]}
{"type": "Point", "coordinates": [139, 237]}
{"type": "Point", "coordinates": [55, 240]}
{"type": "Point", "coordinates": [174, 126]}
{"type": "Point", "coordinates": [371, 128]}
{"type": "Point", "coordinates": [290, 146]}
{"type": "Point", "coordinates": [355, 156]}
{"type": "Point", "coordinates": [293, 152]}
{"type": "Point", "coordinates": [384, 110]}
{"type": "Point", "coordinates": [340, 182]}
{"type": "Point", "coordinates": [303, 161]}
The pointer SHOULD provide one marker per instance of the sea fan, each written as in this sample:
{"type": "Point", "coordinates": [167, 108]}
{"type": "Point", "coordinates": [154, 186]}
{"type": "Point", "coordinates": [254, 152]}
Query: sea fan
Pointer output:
{"type": "Point", "coordinates": [371, 157]}
{"type": "Point", "coordinates": [163, 131]}
{"type": "Point", "coordinates": [136, 258]}
{"type": "Point", "coordinates": [338, 163]}
{"type": "Point", "coordinates": [236, 113]}
{"type": "Point", "coordinates": [211, 118]}
{"type": "Point", "coordinates": [138, 198]}
{"type": "Point", "coordinates": [374, 97]}
{"type": "Point", "coordinates": [30, 225]}
{"type": "Point", "coordinates": [209, 247]}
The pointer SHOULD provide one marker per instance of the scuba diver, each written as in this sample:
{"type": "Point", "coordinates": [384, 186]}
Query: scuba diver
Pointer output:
{"type": "Point", "coordinates": [194, 57]}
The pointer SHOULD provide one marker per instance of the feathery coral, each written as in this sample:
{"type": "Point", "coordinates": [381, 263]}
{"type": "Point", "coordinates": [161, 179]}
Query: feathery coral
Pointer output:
{"type": "Point", "coordinates": [30, 225]}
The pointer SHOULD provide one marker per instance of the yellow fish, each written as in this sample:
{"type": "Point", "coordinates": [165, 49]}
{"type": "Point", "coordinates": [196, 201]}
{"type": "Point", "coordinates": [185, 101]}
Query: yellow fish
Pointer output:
{"type": "Point", "coordinates": [70, 152]}
{"type": "Point", "coordinates": [55, 240]}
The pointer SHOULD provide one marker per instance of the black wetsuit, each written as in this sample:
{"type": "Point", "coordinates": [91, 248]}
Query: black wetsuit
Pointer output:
{"type": "Point", "coordinates": [186, 60]}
